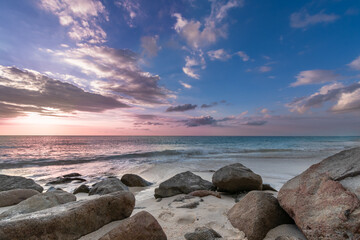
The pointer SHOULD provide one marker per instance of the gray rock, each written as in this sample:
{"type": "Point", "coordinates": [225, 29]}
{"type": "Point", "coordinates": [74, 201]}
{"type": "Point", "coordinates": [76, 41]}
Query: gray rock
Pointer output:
{"type": "Point", "coordinates": [203, 233]}
{"type": "Point", "coordinates": [69, 221]}
{"type": "Point", "coordinates": [51, 189]}
{"type": "Point", "coordinates": [109, 185]}
{"type": "Point", "coordinates": [324, 200]}
{"type": "Point", "coordinates": [63, 180]}
{"type": "Point", "coordinates": [15, 182]}
{"type": "Point", "coordinates": [256, 214]}
{"type": "Point", "coordinates": [236, 178]}
{"type": "Point", "coordinates": [268, 187]}
{"type": "Point", "coordinates": [141, 226]}
{"type": "Point", "coordinates": [285, 232]}
{"type": "Point", "coordinates": [82, 189]}
{"type": "Point", "coordinates": [133, 180]}
{"type": "Point", "coordinates": [39, 202]}
{"type": "Point", "coordinates": [185, 182]}
{"type": "Point", "coordinates": [72, 175]}
{"type": "Point", "coordinates": [12, 197]}
{"type": "Point", "coordinates": [190, 205]}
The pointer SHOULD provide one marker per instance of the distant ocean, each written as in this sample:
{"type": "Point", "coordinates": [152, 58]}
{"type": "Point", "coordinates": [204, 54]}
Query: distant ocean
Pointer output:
{"type": "Point", "coordinates": [277, 159]}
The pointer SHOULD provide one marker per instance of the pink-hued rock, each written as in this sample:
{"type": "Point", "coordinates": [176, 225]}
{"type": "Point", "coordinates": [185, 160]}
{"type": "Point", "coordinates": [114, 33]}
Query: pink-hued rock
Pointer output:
{"type": "Point", "coordinates": [141, 226]}
{"type": "Point", "coordinates": [323, 200]}
{"type": "Point", "coordinates": [256, 214]}
{"type": "Point", "coordinates": [12, 197]}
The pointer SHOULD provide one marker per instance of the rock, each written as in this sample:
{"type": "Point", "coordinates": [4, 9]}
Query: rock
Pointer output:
{"type": "Point", "coordinates": [324, 200]}
{"type": "Point", "coordinates": [51, 189]}
{"type": "Point", "coordinates": [15, 182]}
{"type": "Point", "coordinates": [12, 197]}
{"type": "Point", "coordinates": [183, 198]}
{"type": "Point", "coordinates": [62, 180]}
{"type": "Point", "coordinates": [190, 205]}
{"type": "Point", "coordinates": [82, 189]}
{"type": "Point", "coordinates": [69, 221]}
{"type": "Point", "coordinates": [268, 187]}
{"type": "Point", "coordinates": [236, 178]}
{"type": "Point", "coordinates": [39, 202]}
{"type": "Point", "coordinates": [108, 185]}
{"type": "Point", "coordinates": [132, 180]}
{"type": "Point", "coordinates": [141, 226]}
{"type": "Point", "coordinates": [240, 196]}
{"type": "Point", "coordinates": [204, 193]}
{"type": "Point", "coordinates": [256, 214]}
{"type": "Point", "coordinates": [203, 233]}
{"type": "Point", "coordinates": [285, 232]}
{"type": "Point", "coordinates": [72, 175]}
{"type": "Point", "coordinates": [185, 182]}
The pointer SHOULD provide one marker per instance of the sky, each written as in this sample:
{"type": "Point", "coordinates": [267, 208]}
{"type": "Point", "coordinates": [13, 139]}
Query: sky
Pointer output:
{"type": "Point", "coordinates": [184, 67]}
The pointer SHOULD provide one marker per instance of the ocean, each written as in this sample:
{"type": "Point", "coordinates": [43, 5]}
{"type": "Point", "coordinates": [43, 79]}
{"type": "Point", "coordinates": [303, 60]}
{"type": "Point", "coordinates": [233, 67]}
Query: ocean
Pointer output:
{"type": "Point", "coordinates": [276, 159]}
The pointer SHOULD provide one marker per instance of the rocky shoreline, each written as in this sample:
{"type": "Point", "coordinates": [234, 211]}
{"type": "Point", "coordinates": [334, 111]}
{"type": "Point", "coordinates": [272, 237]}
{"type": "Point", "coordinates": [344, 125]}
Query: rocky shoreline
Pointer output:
{"type": "Point", "coordinates": [230, 203]}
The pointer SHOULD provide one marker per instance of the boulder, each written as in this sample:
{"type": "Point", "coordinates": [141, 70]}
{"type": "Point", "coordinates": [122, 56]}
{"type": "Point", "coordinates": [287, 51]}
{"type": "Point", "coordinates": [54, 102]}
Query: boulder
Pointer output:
{"type": "Point", "coordinates": [72, 175]}
{"type": "Point", "coordinates": [15, 182]}
{"type": "Point", "coordinates": [12, 197]}
{"type": "Point", "coordinates": [185, 182]}
{"type": "Point", "coordinates": [203, 233]}
{"type": "Point", "coordinates": [236, 178]}
{"type": "Point", "coordinates": [285, 232]}
{"type": "Point", "coordinates": [256, 214]}
{"type": "Point", "coordinates": [69, 221]}
{"type": "Point", "coordinates": [204, 193]}
{"type": "Point", "coordinates": [108, 185]}
{"type": "Point", "coordinates": [63, 180]}
{"type": "Point", "coordinates": [82, 189]}
{"type": "Point", "coordinates": [133, 180]}
{"type": "Point", "coordinates": [324, 200]}
{"type": "Point", "coordinates": [138, 227]}
{"type": "Point", "coordinates": [268, 187]}
{"type": "Point", "coordinates": [39, 202]}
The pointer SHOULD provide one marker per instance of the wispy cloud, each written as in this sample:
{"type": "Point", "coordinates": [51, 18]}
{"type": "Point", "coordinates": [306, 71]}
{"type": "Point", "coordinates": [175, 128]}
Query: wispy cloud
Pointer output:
{"type": "Point", "coordinates": [132, 7]}
{"type": "Point", "coordinates": [200, 121]}
{"type": "Point", "coordinates": [219, 54]}
{"type": "Point", "coordinates": [81, 17]}
{"type": "Point", "coordinates": [243, 56]}
{"type": "Point", "coordinates": [265, 69]}
{"type": "Point", "coordinates": [193, 64]}
{"type": "Point", "coordinates": [30, 91]}
{"type": "Point", "coordinates": [355, 64]}
{"type": "Point", "coordinates": [185, 85]}
{"type": "Point", "coordinates": [181, 108]}
{"type": "Point", "coordinates": [150, 45]}
{"type": "Point", "coordinates": [213, 104]}
{"type": "Point", "coordinates": [255, 123]}
{"type": "Point", "coordinates": [303, 19]}
{"type": "Point", "coordinates": [316, 77]}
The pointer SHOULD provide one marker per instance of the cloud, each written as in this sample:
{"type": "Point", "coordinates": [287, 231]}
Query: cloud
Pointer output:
{"type": "Point", "coordinates": [303, 19]}
{"type": "Point", "coordinates": [29, 91]}
{"type": "Point", "coordinates": [117, 72]}
{"type": "Point", "coordinates": [264, 111]}
{"type": "Point", "coordinates": [181, 108]}
{"type": "Point", "coordinates": [355, 64]}
{"type": "Point", "coordinates": [150, 46]}
{"type": "Point", "coordinates": [185, 85]}
{"type": "Point", "coordinates": [200, 121]}
{"type": "Point", "coordinates": [213, 104]}
{"type": "Point", "coordinates": [345, 98]}
{"type": "Point", "coordinates": [255, 123]}
{"type": "Point", "coordinates": [132, 7]}
{"type": "Point", "coordinates": [315, 77]}
{"type": "Point", "coordinates": [192, 64]}
{"type": "Point", "coordinates": [243, 56]}
{"type": "Point", "coordinates": [219, 54]}
{"type": "Point", "coordinates": [265, 69]}
{"type": "Point", "coordinates": [81, 17]}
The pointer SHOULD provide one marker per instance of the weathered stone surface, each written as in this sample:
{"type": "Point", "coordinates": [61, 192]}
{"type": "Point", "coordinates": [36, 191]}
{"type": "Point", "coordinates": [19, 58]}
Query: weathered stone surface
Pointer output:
{"type": "Point", "coordinates": [204, 193]}
{"type": "Point", "coordinates": [15, 182]}
{"type": "Point", "coordinates": [285, 232]}
{"type": "Point", "coordinates": [12, 197]}
{"type": "Point", "coordinates": [82, 189]}
{"type": "Point", "coordinates": [72, 175]}
{"type": "Point", "coordinates": [133, 180]}
{"type": "Point", "coordinates": [39, 202]}
{"type": "Point", "coordinates": [203, 233]}
{"type": "Point", "coordinates": [63, 180]}
{"type": "Point", "coordinates": [185, 182]}
{"type": "Point", "coordinates": [256, 214]}
{"type": "Point", "coordinates": [108, 186]}
{"type": "Point", "coordinates": [69, 221]}
{"type": "Point", "coordinates": [141, 226]}
{"type": "Point", "coordinates": [236, 178]}
{"type": "Point", "coordinates": [323, 200]}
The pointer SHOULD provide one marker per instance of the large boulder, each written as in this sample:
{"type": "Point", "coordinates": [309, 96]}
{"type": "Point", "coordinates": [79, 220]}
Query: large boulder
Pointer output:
{"type": "Point", "coordinates": [185, 182]}
{"type": "Point", "coordinates": [139, 227]}
{"type": "Point", "coordinates": [39, 202]}
{"type": "Point", "coordinates": [256, 214]}
{"type": "Point", "coordinates": [324, 200]}
{"type": "Point", "coordinates": [15, 182]}
{"type": "Point", "coordinates": [133, 180]}
{"type": "Point", "coordinates": [69, 221]}
{"type": "Point", "coordinates": [108, 185]}
{"type": "Point", "coordinates": [12, 197]}
{"type": "Point", "coordinates": [235, 178]}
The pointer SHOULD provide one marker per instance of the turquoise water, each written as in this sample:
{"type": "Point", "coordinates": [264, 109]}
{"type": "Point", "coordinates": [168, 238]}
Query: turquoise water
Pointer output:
{"type": "Point", "coordinates": [281, 158]}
